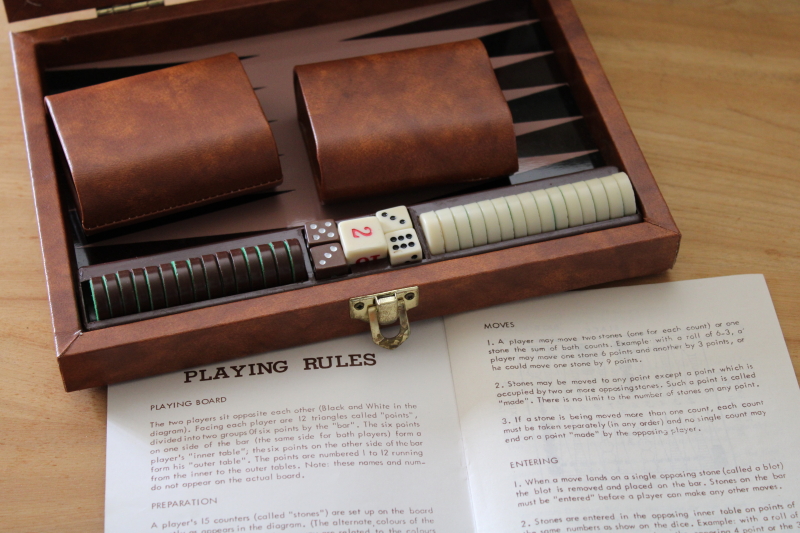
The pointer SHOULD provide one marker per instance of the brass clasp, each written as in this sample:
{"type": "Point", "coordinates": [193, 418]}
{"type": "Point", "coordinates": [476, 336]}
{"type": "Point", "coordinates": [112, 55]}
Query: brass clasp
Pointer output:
{"type": "Point", "coordinates": [383, 309]}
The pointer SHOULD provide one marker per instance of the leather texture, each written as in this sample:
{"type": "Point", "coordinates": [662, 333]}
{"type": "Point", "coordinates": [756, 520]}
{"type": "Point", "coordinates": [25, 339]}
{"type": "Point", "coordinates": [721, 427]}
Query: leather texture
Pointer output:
{"type": "Point", "coordinates": [165, 141]}
{"type": "Point", "coordinates": [388, 122]}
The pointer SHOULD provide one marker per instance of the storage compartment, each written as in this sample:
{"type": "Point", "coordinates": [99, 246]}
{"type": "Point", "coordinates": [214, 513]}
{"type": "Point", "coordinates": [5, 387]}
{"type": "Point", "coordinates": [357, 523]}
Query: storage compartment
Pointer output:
{"type": "Point", "coordinates": [566, 121]}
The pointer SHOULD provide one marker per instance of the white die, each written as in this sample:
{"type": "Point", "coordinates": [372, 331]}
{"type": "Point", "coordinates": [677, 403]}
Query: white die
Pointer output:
{"type": "Point", "coordinates": [404, 247]}
{"type": "Point", "coordinates": [394, 218]}
{"type": "Point", "coordinates": [362, 240]}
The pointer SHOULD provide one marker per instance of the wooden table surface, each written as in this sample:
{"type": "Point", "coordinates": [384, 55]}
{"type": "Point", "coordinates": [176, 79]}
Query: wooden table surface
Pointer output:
{"type": "Point", "coordinates": [712, 91]}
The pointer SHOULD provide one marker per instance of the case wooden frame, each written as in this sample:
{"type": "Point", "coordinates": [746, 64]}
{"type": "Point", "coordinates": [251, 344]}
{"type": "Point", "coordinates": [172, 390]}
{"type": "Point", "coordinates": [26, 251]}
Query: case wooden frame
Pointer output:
{"type": "Point", "coordinates": [208, 335]}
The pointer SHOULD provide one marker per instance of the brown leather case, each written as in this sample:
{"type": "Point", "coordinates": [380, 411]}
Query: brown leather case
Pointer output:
{"type": "Point", "coordinates": [388, 122]}
{"type": "Point", "coordinates": [165, 141]}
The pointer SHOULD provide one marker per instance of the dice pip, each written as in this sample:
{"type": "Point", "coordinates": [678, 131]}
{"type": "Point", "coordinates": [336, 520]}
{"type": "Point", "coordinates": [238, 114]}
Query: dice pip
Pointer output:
{"type": "Point", "coordinates": [321, 232]}
{"type": "Point", "coordinates": [394, 218]}
{"type": "Point", "coordinates": [404, 247]}
{"type": "Point", "coordinates": [362, 240]}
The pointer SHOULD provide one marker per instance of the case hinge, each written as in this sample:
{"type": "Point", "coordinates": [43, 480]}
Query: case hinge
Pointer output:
{"type": "Point", "coordinates": [383, 309]}
{"type": "Point", "coordinates": [124, 8]}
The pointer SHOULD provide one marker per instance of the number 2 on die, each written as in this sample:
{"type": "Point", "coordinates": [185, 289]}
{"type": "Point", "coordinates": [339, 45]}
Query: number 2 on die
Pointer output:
{"type": "Point", "coordinates": [366, 232]}
{"type": "Point", "coordinates": [362, 240]}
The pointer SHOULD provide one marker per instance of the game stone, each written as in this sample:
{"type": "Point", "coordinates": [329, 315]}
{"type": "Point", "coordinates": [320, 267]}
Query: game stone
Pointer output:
{"type": "Point", "coordinates": [546, 215]}
{"type": "Point", "coordinates": [432, 230]}
{"type": "Point", "coordinates": [394, 218]}
{"type": "Point", "coordinates": [329, 261]}
{"type": "Point", "coordinates": [574, 210]}
{"type": "Point", "coordinates": [404, 247]}
{"type": "Point", "coordinates": [449, 230]}
{"type": "Point", "coordinates": [600, 199]}
{"type": "Point", "coordinates": [616, 208]}
{"type": "Point", "coordinates": [587, 203]}
{"type": "Point", "coordinates": [362, 240]}
{"type": "Point", "coordinates": [559, 207]}
{"type": "Point", "coordinates": [477, 224]}
{"type": "Point", "coordinates": [321, 232]}
{"type": "Point", "coordinates": [531, 210]}
{"type": "Point", "coordinates": [628, 196]}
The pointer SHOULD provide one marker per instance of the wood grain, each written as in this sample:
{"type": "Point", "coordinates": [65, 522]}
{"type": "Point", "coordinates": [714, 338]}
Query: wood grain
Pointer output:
{"type": "Point", "coordinates": [710, 89]}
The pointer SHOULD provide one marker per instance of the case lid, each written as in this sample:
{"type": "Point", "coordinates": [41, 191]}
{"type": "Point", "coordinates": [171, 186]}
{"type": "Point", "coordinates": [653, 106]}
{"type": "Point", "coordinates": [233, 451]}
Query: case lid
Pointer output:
{"type": "Point", "coordinates": [17, 10]}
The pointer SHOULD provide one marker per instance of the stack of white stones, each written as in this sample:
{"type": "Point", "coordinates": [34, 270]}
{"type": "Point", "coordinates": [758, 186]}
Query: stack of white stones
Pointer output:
{"type": "Point", "coordinates": [528, 213]}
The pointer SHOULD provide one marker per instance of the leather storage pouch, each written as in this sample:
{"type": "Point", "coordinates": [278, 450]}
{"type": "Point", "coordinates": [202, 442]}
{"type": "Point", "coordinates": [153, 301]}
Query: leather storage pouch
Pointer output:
{"type": "Point", "coordinates": [383, 123]}
{"type": "Point", "coordinates": [153, 144]}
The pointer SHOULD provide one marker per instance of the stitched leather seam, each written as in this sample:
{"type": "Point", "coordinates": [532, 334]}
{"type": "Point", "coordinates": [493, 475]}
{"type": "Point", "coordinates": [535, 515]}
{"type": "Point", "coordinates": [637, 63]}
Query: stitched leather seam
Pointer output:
{"type": "Point", "coordinates": [180, 205]}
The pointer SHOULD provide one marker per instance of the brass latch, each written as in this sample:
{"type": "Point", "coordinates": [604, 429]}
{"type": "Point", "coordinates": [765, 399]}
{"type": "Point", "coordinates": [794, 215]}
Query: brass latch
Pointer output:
{"type": "Point", "coordinates": [124, 8]}
{"type": "Point", "coordinates": [383, 309]}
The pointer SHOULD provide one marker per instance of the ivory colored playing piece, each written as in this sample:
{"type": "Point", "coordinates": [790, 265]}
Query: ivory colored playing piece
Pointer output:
{"type": "Point", "coordinates": [574, 210]}
{"type": "Point", "coordinates": [329, 261]}
{"type": "Point", "coordinates": [546, 215]}
{"type": "Point", "coordinates": [559, 207]}
{"type": "Point", "coordinates": [493, 232]}
{"type": "Point", "coordinates": [517, 216]}
{"type": "Point", "coordinates": [449, 230]}
{"type": "Point", "coordinates": [477, 224]}
{"type": "Point", "coordinates": [362, 240]}
{"type": "Point", "coordinates": [531, 211]}
{"type": "Point", "coordinates": [462, 226]}
{"type": "Point", "coordinates": [600, 199]}
{"type": "Point", "coordinates": [504, 216]}
{"type": "Point", "coordinates": [432, 231]}
{"type": "Point", "coordinates": [616, 208]}
{"type": "Point", "coordinates": [404, 247]}
{"type": "Point", "coordinates": [394, 218]}
{"type": "Point", "coordinates": [628, 196]}
{"type": "Point", "coordinates": [321, 232]}
{"type": "Point", "coordinates": [587, 203]}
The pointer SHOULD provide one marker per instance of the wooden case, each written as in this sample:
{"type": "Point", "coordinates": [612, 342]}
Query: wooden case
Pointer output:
{"type": "Point", "coordinates": [90, 357]}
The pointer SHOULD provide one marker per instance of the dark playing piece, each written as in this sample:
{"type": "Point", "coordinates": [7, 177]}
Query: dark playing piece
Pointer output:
{"type": "Point", "coordinates": [254, 268]}
{"type": "Point", "coordinates": [125, 282]}
{"type": "Point", "coordinates": [268, 262]}
{"type": "Point", "coordinates": [329, 261]}
{"type": "Point", "coordinates": [114, 295]}
{"type": "Point", "coordinates": [240, 271]}
{"type": "Point", "coordinates": [213, 279]}
{"type": "Point", "coordinates": [198, 279]}
{"type": "Point", "coordinates": [140, 286]}
{"type": "Point", "coordinates": [282, 262]}
{"type": "Point", "coordinates": [298, 265]}
{"type": "Point", "coordinates": [321, 232]}
{"type": "Point", "coordinates": [170, 285]}
{"type": "Point", "coordinates": [100, 299]}
{"type": "Point", "coordinates": [155, 287]}
{"type": "Point", "coordinates": [184, 277]}
{"type": "Point", "coordinates": [226, 273]}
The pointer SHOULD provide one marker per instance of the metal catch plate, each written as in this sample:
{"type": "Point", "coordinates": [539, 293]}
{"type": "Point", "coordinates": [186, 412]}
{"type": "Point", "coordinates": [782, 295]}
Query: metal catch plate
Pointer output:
{"type": "Point", "coordinates": [383, 309]}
